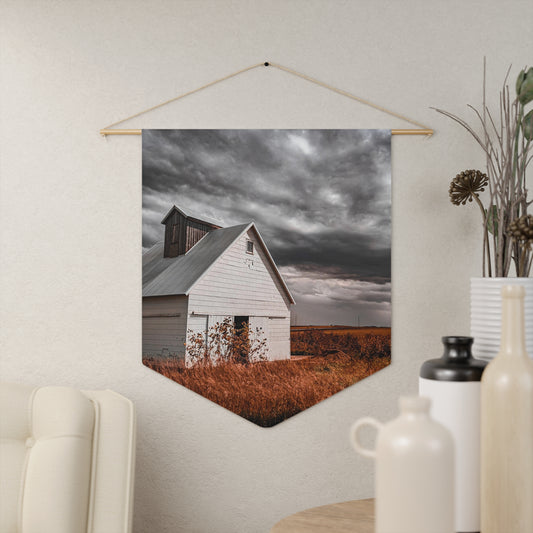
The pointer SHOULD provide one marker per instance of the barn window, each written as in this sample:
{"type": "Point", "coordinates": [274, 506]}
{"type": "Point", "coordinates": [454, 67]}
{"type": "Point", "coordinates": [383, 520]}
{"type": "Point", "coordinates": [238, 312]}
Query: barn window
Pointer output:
{"type": "Point", "coordinates": [249, 247]}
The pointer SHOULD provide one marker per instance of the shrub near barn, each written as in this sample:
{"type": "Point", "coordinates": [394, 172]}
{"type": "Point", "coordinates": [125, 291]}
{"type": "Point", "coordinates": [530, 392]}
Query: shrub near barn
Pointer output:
{"type": "Point", "coordinates": [226, 342]}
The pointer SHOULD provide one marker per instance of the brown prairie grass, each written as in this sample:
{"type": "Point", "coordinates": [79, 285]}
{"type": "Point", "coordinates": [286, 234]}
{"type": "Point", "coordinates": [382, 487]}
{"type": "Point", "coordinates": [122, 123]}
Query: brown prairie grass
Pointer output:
{"type": "Point", "coordinates": [267, 393]}
{"type": "Point", "coordinates": [357, 342]}
{"type": "Point", "coordinates": [351, 330]}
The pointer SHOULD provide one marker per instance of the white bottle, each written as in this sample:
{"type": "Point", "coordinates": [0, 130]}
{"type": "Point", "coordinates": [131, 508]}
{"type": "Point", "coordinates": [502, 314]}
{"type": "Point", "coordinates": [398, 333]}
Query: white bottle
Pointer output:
{"type": "Point", "coordinates": [507, 427]}
{"type": "Point", "coordinates": [452, 382]}
{"type": "Point", "coordinates": [414, 471]}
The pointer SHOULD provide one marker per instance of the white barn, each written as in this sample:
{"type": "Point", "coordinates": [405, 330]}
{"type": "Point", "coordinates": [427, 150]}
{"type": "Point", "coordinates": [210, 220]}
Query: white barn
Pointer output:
{"type": "Point", "coordinates": [201, 274]}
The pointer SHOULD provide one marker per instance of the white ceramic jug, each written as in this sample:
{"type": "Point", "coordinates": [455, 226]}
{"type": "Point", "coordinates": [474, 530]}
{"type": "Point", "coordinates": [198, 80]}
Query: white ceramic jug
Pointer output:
{"type": "Point", "coordinates": [414, 470]}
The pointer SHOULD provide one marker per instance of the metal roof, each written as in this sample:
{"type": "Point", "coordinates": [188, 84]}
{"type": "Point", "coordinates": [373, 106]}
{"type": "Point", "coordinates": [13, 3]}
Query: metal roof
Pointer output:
{"type": "Point", "coordinates": [204, 220]}
{"type": "Point", "coordinates": [166, 276]}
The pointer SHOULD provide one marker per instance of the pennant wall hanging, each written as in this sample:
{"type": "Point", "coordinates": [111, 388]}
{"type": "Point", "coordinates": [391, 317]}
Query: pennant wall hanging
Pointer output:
{"type": "Point", "coordinates": [266, 259]}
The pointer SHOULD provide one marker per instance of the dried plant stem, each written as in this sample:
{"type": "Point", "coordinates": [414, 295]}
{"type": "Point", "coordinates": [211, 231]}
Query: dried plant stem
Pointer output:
{"type": "Point", "coordinates": [507, 154]}
{"type": "Point", "coordinates": [523, 262]}
{"type": "Point", "coordinates": [486, 248]}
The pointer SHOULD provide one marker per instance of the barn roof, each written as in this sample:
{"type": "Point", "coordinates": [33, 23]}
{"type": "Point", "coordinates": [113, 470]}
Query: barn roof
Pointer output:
{"type": "Point", "coordinates": [165, 276]}
{"type": "Point", "coordinates": [204, 220]}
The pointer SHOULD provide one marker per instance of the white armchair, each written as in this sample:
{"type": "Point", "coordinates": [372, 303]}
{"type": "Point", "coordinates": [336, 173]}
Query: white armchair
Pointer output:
{"type": "Point", "coordinates": [66, 460]}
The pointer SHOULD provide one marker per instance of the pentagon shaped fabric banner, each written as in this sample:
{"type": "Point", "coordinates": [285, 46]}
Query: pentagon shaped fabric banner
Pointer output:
{"type": "Point", "coordinates": [266, 263]}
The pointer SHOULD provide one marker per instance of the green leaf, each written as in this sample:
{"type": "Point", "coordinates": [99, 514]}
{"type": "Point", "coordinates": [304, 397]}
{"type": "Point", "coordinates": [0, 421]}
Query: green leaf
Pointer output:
{"type": "Point", "coordinates": [527, 126]}
{"type": "Point", "coordinates": [519, 80]}
{"type": "Point", "coordinates": [524, 86]}
{"type": "Point", "coordinates": [492, 220]}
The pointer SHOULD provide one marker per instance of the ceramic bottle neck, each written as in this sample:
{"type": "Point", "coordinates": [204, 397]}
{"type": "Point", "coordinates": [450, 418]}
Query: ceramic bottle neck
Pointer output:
{"type": "Point", "coordinates": [458, 349]}
{"type": "Point", "coordinates": [414, 417]}
{"type": "Point", "coordinates": [513, 340]}
{"type": "Point", "coordinates": [414, 407]}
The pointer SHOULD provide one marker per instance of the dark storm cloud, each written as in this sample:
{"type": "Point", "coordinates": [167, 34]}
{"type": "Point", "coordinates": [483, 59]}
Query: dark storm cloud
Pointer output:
{"type": "Point", "coordinates": [320, 198]}
{"type": "Point", "coordinates": [343, 255]}
{"type": "Point", "coordinates": [337, 301]}
{"type": "Point", "coordinates": [331, 187]}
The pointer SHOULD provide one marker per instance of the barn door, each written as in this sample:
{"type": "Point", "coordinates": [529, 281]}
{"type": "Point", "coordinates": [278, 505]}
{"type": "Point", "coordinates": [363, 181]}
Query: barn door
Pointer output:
{"type": "Point", "coordinates": [216, 325]}
{"type": "Point", "coordinates": [259, 331]}
{"type": "Point", "coordinates": [279, 338]}
{"type": "Point", "coordinates": [196, 335]}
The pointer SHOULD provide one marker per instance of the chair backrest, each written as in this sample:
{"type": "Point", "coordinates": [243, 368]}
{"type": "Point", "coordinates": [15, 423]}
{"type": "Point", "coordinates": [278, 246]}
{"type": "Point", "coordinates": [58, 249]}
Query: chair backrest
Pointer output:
{"type": "Point", "coordinates": [66, 460]}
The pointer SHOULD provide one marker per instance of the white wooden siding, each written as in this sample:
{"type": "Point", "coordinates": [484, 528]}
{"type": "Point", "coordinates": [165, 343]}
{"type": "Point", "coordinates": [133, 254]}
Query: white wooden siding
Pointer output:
{"type": "Point", "coordinates": [259, 330]}
{"type": "Point", "coordinates": [259, 322]}
{"type": "Point", "coordinates": [213, 320]}
{"type": "Point", "coordinates": [244, 284]}
{"type": "Point", "coordinates": [164, 326]}
{"type": "Point", "coordinates": [196, 324]}
{"type": "Point", "coordinates": [240, 284]}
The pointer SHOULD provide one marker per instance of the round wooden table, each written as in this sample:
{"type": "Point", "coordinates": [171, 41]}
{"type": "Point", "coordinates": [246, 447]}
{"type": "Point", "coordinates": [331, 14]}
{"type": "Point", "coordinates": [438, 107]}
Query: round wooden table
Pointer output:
{"type": "Point", "coordinates": [348, 517]}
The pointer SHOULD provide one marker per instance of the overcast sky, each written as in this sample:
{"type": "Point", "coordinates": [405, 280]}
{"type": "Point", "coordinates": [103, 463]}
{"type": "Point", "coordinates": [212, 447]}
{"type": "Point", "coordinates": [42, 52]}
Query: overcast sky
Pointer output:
{"type": "Point", "coordinates": [321, 199]}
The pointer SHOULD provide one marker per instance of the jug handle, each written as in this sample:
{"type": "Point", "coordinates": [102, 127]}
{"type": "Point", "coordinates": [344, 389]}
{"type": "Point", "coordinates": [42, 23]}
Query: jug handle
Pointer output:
{"type": "Point", "coordinates": [354, 438]}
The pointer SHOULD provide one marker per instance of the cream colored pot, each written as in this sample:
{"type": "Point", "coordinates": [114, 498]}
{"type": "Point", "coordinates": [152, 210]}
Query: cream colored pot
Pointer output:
{"type": "Point", "coordinates": [486, 314]}
{"type": "Point", "coordinates": [414, 470]}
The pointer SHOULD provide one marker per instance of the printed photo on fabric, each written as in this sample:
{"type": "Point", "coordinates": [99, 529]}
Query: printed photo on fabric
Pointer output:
{"type": "Point", "coordinates": [266, 267]}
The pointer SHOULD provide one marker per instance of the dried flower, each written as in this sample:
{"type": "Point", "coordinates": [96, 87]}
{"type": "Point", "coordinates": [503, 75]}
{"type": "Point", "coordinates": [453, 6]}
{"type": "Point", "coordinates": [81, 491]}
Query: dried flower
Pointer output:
{"type": "Point", "coordinates": [521, 230]}
{"type": "Point", "coordinates": [466, 185]}
{"type": "Point", "coordinates": [507, 146]}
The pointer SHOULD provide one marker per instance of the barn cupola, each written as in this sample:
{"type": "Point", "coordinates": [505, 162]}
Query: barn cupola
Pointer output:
{"type": "Point", "coordinates": [182, 232]}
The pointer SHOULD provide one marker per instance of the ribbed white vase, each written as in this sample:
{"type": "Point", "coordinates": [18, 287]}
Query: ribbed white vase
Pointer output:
{"type": "Point", "coordinates": [486, 314]}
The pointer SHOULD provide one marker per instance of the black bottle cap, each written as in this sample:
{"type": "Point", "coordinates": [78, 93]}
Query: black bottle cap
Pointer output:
{"type": "Point", "coordinates": [456, 364]}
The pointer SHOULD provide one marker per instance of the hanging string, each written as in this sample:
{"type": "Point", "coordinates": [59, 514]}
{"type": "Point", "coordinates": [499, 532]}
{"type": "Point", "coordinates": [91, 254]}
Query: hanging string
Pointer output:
{"type": "Point", "coordinates": [348, 95]}
{"type": "Point", "coordinates": [423, 129]}
{"type": "Point", "coordinates": [210, 84]}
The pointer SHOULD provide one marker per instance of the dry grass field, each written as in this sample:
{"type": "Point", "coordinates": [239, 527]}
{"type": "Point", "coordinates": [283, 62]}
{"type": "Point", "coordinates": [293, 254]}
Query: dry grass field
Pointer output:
{"type": "Point", "coordinates": [267, 393]}
{"type": "Point", "coordinates": [356, 342]}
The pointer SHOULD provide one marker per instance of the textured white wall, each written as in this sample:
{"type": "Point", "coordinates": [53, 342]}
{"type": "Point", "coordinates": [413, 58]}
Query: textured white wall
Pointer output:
{"type": "Point", "coordinates": [70, 212]}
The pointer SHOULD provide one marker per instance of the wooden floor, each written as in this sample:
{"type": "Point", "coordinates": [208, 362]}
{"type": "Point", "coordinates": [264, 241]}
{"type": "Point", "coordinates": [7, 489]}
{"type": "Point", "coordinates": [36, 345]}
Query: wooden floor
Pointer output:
{"type": "Point", "coordinates": [348, 517]}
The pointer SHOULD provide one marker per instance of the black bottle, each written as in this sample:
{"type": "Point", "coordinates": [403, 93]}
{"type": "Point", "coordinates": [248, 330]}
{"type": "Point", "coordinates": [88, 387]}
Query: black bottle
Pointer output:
{"type": "Point", "coordinates": [452, 382]}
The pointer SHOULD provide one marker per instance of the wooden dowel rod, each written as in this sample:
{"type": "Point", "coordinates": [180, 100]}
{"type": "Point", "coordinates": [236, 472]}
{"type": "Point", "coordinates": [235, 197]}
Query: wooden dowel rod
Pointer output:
{"type": "Point", "coordinates": [411, 132]}
{"type": "Point", "coordinates": [393, 132]}
{"type": "Point", "coordinates": [120, 132]}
